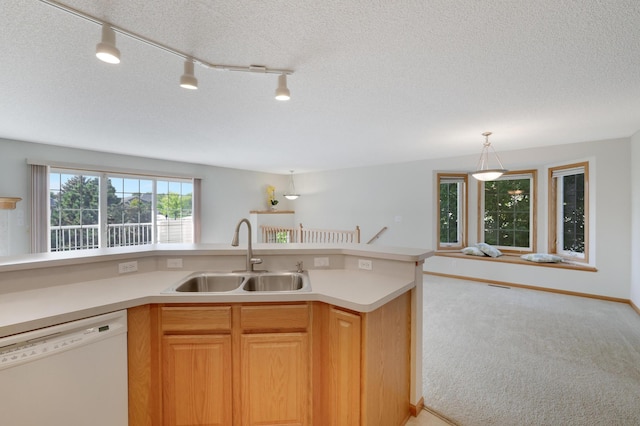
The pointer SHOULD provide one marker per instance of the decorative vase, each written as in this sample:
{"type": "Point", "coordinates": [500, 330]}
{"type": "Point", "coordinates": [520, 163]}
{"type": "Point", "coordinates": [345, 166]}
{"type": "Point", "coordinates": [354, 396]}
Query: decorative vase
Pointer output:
{"type": "Point", "coordinates": [273, 207]}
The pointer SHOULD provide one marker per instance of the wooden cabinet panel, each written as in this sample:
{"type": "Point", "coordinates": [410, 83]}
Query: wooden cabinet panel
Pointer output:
{"type": "Point", "coordinates": [275, 379]}
{"type": "Point", "coordinates": [343, 391]}
{"type": "Point", "coordinates": [196, 318]}
{"type": "Point", "coordinates": [386, 363]}
{"type": "Point", "coordinates": [269, 317]}
{"type": "Point", "coordinates": [196, 377]}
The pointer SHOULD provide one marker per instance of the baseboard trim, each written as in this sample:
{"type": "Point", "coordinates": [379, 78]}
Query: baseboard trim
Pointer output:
{"type": "Point", "coordinates": [634, 306]}
{"type": "Point", "coordinates": [531, 287]}
{"type": "Point", "coordinates": [415, 409]}
{"type": "Point", "coordinates": [440, 416]}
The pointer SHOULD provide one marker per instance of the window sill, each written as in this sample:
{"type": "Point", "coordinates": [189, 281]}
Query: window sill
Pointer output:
{"type": "Point", "coordinates": [515, 259]}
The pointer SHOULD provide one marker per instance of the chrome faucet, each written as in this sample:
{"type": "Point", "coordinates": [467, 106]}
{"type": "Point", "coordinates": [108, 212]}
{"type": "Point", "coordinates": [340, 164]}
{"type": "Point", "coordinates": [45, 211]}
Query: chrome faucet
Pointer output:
{"type": "Point", "coordinates": [236, 236]}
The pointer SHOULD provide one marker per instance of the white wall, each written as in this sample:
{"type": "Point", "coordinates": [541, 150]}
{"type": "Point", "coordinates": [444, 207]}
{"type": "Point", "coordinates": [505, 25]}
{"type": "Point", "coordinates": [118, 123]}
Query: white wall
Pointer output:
{"type": "Point", "coordinates": [635, 219]}
{"type": "Point", "coordinates": [401, 196]}
{"type": "Point", "coordinates": [228, 194]}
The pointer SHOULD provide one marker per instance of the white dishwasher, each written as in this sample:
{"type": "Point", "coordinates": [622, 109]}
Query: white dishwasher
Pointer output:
{"type": "Point", "coordinates": [72, 374]}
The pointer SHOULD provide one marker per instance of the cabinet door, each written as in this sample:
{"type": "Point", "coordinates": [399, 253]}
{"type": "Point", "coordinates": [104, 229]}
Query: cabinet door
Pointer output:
{"type": "Point", "coordinates": [196, 376]}
{"type": "Point", "coordinates": [275, 379]}
{"type": "Point", "coordinates": [344, 368]}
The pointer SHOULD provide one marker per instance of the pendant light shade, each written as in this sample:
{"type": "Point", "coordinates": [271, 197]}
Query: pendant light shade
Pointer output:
{"type": "Point", "coordinates": [292, 194]}
{"type": "Point", "coordinates": [188, 80]}
{"type": "Point", "coordinates": [106, 50]}
{"type": "Point", "coordinates": [282, 92]}
{"type": "Point", "coordinates": [483, 172]}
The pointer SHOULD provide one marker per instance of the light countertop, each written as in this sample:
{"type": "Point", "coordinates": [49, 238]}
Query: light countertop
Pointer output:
{"type": "Point", "coordinates": [362, 291]}
{"type": "Point", "coordinates": [46, 260]}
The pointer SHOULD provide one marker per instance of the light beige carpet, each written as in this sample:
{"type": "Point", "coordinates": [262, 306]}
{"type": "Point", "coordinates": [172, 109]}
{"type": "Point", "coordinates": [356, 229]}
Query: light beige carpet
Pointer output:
{"type": "Point", "coordinates": [496, 356]}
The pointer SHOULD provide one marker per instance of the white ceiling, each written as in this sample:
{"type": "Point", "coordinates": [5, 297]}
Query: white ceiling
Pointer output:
{"type": "Point", "coordinates": [375, 81]}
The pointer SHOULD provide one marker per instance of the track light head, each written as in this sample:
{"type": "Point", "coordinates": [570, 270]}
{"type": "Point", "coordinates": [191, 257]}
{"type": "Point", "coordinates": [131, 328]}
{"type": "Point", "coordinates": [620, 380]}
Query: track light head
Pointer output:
{"type": "Point", "coordinates": [282, 92]}
{"type": "Point", "coordinates": [188, 80]}
{"type": "Point", "coordinates": [106, 50]}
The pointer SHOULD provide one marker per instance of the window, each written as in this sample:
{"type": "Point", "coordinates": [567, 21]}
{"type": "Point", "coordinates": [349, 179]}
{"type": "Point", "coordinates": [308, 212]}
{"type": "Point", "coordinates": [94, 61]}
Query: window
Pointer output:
{"type": "Point", "coordinates": [568, 210]}
{"type": "Point", "coordinates": [74, 210]}
{"type": "Point", "coordinates": [452, 210]}
{"type": "Point", "coordinates": [93, 209]}
{"type": "Point", "coordinates": [508, 211]}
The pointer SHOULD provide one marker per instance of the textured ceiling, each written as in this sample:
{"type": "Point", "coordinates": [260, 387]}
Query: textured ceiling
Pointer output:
{"type": "Point", "coordinates": [375, 81]}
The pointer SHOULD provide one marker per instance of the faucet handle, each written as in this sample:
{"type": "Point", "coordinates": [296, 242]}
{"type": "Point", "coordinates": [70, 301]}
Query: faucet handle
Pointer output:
{"type": "Point", "coordinates": [255, 260]}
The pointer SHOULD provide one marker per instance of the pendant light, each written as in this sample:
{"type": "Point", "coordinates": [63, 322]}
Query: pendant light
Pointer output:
{"type": "Point", "coordinates": [292, 194]}
{"type": "Point", "coordinates": [106, 50]}
{"type": "Point", "coordinates": [483, 171]}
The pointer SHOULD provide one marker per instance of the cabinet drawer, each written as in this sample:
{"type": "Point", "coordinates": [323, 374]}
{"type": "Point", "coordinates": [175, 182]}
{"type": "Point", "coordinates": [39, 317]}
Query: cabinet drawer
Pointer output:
{"type": "Point", "coordinates": [196, 318]}
{"type": "Point", "coordinates": [274, 316]}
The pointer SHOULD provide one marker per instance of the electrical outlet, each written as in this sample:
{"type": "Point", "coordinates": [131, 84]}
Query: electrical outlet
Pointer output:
{"type": "Point", "coordinates": [126, 267]}
{"type": "Point", "coordinates": [320, 262]}
{"type": "Point", "coordinates": [365, 264]}
{"type": "Point", "coordinates": [174, 263]}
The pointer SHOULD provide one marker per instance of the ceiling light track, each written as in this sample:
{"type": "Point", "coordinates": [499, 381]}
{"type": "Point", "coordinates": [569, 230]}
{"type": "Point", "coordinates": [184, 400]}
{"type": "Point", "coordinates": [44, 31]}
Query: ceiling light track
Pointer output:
{"type": "Point", "coordinates": [187, 57]}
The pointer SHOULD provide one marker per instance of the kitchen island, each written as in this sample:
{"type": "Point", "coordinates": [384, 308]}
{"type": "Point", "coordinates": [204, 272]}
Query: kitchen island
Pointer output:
{"type": "Point", "coordinates": [45, 289]}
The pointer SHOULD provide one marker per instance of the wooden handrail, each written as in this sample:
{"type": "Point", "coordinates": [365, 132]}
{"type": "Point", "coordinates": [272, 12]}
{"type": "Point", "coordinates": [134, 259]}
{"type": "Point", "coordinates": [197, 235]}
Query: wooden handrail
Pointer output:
{"type": "Point", "coordinates": [375, 237]}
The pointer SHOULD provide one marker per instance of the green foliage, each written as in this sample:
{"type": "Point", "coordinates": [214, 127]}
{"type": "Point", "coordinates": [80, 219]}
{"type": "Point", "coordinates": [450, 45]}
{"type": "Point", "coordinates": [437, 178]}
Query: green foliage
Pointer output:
{"type": "Point", "coordinates": [174, 205]}
{"type": "Point", "coordinates": [77, 202]}
{"type": "Point", "coordinates": [282, 237]}
{"type": "Point", "coordinates": [573, 212]}
{"type": "Point", "coordinates": [507, 217]}
{"type": "Point", "coordinates": [449, 192]}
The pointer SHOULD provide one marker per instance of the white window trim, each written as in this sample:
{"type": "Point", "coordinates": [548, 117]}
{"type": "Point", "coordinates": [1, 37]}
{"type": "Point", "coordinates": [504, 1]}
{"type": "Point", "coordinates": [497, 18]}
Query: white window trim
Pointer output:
{"type": "Point", "coordinates": [103, 174]}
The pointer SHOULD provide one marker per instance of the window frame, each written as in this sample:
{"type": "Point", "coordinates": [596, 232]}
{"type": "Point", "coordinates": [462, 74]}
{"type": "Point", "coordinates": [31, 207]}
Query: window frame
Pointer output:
{"type": "Point", "coordinates": [510, 175]}
{"type": "Point", "coordinates": [554, 212]}
{"type": "Point", "coordinates": [463, 216]}
{"type": "Point", "coordinates": [103, 221]}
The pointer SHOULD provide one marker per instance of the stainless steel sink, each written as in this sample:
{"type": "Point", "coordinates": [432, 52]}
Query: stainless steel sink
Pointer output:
{"type": "Point", "coordinates": [283, 281]}
{"type": "Point", "coordinates": [242, 282]}
{"type": "Point", "coordinates": [211, 282]}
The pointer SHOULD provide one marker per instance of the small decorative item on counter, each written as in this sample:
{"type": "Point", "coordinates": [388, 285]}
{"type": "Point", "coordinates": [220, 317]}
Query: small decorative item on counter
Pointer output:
{"type": "Point", "coordinates": [271, 197]}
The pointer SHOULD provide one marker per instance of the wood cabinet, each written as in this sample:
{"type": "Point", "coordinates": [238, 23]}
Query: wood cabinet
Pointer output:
{"type": "Point", "coordinates": [196, 380]}
{"type": "Point", "coordinates": [344, 355]}
{"type": "Point", "coordinates": [306, 363]}
{"type": "Point", "coordinates": [362, 368]}
{"type": "Point", "coordinates": [275, 379]}
{"type": "Point", "coordinates": [238, 364]}
{"type": "Point", "coordinates": [275, 366]}
{"type": "Point", "coordinates": [196, 365]}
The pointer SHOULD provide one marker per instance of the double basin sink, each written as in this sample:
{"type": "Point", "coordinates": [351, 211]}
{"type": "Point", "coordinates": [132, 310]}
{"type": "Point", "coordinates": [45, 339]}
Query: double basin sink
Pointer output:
{"type": "Point", "coordinates": [243, 282]}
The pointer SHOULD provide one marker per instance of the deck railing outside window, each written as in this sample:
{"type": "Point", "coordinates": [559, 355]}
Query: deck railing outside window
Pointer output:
{"type": "Point", "coordinates": [66, 238]}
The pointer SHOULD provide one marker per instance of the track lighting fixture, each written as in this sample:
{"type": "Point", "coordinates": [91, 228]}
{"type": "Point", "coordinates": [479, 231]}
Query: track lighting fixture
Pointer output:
{"type": "Point", "coordinates": [484, 173]}
{"type": "Point", "coordinates": [282, 92]}
{"type": "Point", "coordinates": [188, 80]}
{"type": "Point", "coordinates": [292, 194]}
{"type": "Point", "coordinates": [106, 50]}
